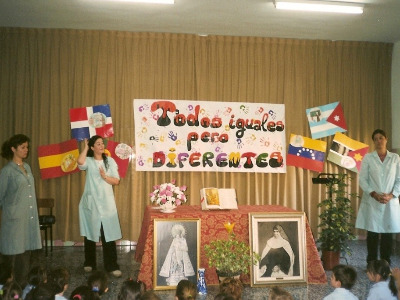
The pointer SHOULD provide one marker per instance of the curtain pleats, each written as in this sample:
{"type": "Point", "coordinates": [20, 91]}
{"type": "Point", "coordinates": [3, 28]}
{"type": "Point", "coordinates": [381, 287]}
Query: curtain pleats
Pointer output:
{"type": "Point", "coordinates": [45, 72]}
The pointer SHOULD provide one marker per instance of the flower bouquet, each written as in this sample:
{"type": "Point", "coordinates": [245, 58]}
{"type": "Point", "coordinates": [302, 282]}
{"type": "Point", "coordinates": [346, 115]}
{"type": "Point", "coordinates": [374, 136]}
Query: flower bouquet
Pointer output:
{"type": "Point", "coordinates": [168, 196]}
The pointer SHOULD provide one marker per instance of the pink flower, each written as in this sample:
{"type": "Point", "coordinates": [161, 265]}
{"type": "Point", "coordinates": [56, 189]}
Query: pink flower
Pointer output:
{"type": "Point", "coordinates": [173, 181]}
{"type": "Point", "coordinates": [183, 188]}
{"type": "Point", "coordinates": [178, 202]}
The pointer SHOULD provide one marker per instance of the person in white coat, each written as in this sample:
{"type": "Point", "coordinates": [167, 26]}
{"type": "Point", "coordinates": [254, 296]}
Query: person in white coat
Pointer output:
{"type": "Point", "coordinates": [380, 209]}
{"type": "Point", "coordinates": [98, 216]}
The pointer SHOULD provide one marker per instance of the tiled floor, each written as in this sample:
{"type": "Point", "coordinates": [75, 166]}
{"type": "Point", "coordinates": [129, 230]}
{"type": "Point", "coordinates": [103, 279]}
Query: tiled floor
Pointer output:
{"type": "Point", "coordinates": [72, 259]}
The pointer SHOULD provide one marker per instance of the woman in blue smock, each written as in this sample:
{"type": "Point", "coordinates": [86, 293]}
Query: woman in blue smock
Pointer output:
{"type": "Point", "coordinates": [379, 211]}
{"type": "Point", "coordinates": [19, 230]}
{"type": "Point", "coordinates": [98, 216]}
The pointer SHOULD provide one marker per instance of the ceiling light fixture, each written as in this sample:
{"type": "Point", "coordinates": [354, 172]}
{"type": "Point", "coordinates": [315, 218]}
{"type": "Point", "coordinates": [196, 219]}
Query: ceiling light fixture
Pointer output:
{"type": "Point", "coordinates": [154, 1]}
{"type": "Point", "coordinates": [321, 6]}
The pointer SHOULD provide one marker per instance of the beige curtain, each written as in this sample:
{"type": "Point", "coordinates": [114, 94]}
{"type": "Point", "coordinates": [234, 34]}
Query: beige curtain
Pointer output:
{"type": "Point", "coordinates": [46, 72]}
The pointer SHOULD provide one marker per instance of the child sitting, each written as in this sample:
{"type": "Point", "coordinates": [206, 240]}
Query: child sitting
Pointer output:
{"type": "Point", "coordinates": [378, 271]}
{"type": "Point", "coordinates": [343, 278]}
{"type": "Point", "coordinates": [35, 276]}
{"type": "Point", "coordinates": [131, 290]}
{"type": "Point", "coordinates": [98, 281]}
{"type": "Point", "coordinates": [185, 290]}
{"type": "Point", "coordinates": [5, 276]}
{"type": "Point", "coordinates": [60, 278]}
{"type": "Point", "coordinates": [231, 286]}
{"type": "Point", "coordinates": [278, 293]}
{"type": "Point", "coordinates": [84, 292]}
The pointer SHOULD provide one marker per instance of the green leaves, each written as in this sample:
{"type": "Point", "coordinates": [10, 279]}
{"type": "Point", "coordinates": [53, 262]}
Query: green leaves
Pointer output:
{"type": "Point", "coordinates": [230, 256]}
{"type": "Point", "coordinates": [336, 219]}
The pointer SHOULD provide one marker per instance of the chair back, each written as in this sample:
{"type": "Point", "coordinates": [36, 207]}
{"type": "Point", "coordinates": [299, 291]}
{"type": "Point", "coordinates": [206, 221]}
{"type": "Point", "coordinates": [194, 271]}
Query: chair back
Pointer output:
{"type": "Point", "coordinates": [48, 218]}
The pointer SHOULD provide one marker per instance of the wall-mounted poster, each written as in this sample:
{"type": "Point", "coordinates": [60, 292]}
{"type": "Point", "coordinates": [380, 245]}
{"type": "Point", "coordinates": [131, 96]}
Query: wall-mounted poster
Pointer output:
{"type": "Point", "coordinates": [187, 135]}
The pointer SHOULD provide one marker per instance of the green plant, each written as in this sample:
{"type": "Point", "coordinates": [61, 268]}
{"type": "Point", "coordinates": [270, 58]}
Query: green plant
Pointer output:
{"type": "Point", "coordinates": [230, 257]}
{"type": "Point", "coordinates": [336, 220]}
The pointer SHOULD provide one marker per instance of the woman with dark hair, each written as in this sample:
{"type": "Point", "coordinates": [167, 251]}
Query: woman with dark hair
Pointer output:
{"type": "Point", "coordinates": [277, 252]}
{"type": "Point", "coordinates": [98, 216]}
{"type": "Point", "coordinates": [379, 209]}
{"type": "Point", "coordinates": [19, 231]}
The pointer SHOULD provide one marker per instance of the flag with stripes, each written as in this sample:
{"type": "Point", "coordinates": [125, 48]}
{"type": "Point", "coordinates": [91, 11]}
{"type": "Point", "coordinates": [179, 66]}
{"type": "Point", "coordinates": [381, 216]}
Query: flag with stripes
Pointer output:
{"type": "Point", "coordinates": [347, 153]}
{"type": "Point", "coordinates": [58, 160]}
{"type": "Point", "coordinates": [89, 121]}
{"type": "Point", "coordinates": [326, 120]}
{"type": "Point", "coordinates": [122, 154]}
{"type": "Point", "coordinates": [306, 153]}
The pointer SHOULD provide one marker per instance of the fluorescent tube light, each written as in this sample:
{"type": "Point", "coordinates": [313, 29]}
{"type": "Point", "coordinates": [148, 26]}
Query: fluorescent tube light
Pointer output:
{"type": "Point", "coordinates": [153, 1]}
{"type": "Point", "coordinates": [321, 6]}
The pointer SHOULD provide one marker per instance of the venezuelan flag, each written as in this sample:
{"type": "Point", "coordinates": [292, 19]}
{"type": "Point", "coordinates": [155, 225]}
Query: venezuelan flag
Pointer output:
{"type": "Point", "coordinates": [306, 153]}
{"type": "Point", "coordinates": [58, 160]}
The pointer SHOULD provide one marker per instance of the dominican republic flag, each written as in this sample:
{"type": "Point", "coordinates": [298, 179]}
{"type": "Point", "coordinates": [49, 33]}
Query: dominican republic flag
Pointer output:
{"type": "Point", "coordinates": [121, 154]}
{"type": "Point", "coordinates": [58, 160]}
{"type": "Point", "coordinates": [89, 121]}
{"type": "Point", "coordinates": [347, 153]}
{"type": "Point", "coordinates": [306, 153]}
{"type": "Point", "coordinates": [326, 120]}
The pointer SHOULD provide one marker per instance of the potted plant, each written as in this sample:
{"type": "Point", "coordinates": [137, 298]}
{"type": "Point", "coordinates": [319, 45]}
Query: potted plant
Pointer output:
{"type": "Point", "coordinates": [336, 221]}
{"type": "Point", "coordinates": [230, 256]}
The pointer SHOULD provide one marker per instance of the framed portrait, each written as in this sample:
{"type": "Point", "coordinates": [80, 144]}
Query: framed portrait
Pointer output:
{"type": "Point", "coordinates": [176, 252]}
{"type": "Point", "coordinates": [280, 240]}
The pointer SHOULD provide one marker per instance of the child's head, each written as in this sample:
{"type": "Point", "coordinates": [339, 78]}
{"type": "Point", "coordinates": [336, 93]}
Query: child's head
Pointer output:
{"type": "Point", "coordinates": [5, 273]}
{"type": "Point", "coordinates": [222, 296]}
{"type": "Point", "coordinates": [44, 291]}
{"type": "Point", "coordinates": [231, 286]}
{"type": "Point", "coordinates": [343, 276]}
{"type": "Point", "coordinates": [149, 295]}
{"type": "Point", "coordinates": [12, 290]}
{"type": "Point", "coordinates": [84, 292]}
{"type": "Point", "coordinates": [277, 293]}
{"type": "Point", "coordinates": [186, 290]}
{"type": "Point", "coordinates": [131, 289]}
{"type": "Point", "coordinates": [60, 277]}
{"type": "Point", "coordinates": [37, 275]}
{"type": "Point", "coordinates": [98, 281]}
{"type": "Point", "coordinates": [379, 270]}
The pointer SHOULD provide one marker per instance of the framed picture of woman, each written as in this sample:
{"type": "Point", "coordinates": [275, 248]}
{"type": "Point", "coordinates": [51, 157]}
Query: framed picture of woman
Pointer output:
{"type": "Point", "coordinates": [280, 240]}
{"type": "Point", "coordinates": [176, 252]}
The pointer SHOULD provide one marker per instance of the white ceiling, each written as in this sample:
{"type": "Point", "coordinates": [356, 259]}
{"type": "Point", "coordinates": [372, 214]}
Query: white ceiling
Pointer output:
{"type": "Point", "coordinates": [379, 23]}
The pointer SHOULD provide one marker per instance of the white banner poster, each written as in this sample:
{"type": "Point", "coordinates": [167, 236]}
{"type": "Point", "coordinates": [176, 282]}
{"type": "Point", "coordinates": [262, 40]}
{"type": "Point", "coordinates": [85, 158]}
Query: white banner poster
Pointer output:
{"type": "Point", "coordinates": [188, 135]}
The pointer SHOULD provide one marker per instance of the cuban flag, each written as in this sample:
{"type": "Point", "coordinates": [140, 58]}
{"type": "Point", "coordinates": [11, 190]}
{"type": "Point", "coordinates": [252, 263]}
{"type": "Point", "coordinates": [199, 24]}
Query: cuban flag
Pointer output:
{"type": "Point", "coordinates": [347, 153]}
{"type": "Point", "coordinates": [306, 153]}
{"type": "Point", "coordinates": [89, 121]}
{"type": "Point", "coordinates": [326, 120]}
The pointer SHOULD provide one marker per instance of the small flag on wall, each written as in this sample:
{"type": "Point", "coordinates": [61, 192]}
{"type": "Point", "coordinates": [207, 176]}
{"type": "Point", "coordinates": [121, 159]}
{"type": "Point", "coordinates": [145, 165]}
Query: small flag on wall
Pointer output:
{"type": "Point", "coordinates": [306, 153]}
{"type": "Point", "coordinates": [121, 154]}
{"type": "Point", "coordinates": [326, 120]}
{"type": "Point", "coordinates": [347, 153]}
{"type": "Point", "coordinates": [89, 121]}
{"type": "Point", "coordinates": [58, 160]}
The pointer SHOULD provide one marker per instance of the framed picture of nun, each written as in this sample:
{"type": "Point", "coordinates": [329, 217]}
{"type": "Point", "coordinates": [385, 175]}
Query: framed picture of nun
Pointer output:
{"type": "Point", "coordinates": [279, 239]}
{"type": "Point", "coordinates": [176, 252]}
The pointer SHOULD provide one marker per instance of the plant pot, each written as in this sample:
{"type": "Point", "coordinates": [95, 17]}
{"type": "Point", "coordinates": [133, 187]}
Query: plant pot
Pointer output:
{"type": "Point", "coordinates": [222, 276]}
{"type": "Point", "coordinates": [330, 259]}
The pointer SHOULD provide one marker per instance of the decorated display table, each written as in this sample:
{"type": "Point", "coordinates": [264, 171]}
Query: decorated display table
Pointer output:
{"type": "Point", "coordinates": [212, 226]}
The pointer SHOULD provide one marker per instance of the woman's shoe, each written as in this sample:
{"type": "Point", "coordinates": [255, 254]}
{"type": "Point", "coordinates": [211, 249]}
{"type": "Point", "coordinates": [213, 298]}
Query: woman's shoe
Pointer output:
{"type": "Point", "coordinates": [116, 273]}
{"type": "Point", "coordinates": [88, 269]}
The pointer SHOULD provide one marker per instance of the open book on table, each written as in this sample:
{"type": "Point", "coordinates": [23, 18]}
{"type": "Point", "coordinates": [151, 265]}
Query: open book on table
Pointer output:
{"type": "Point", "coordinates": [214, 198]}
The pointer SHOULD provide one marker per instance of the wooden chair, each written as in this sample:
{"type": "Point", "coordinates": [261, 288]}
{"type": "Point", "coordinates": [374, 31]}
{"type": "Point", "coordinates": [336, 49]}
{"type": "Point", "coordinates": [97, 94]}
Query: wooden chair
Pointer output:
{"type": "Point", "coordinates": [46, 221]}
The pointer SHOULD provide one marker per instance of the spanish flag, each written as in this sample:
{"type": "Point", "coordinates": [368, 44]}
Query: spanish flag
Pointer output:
{"type": "Point", "coordinates": [58, 160]}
